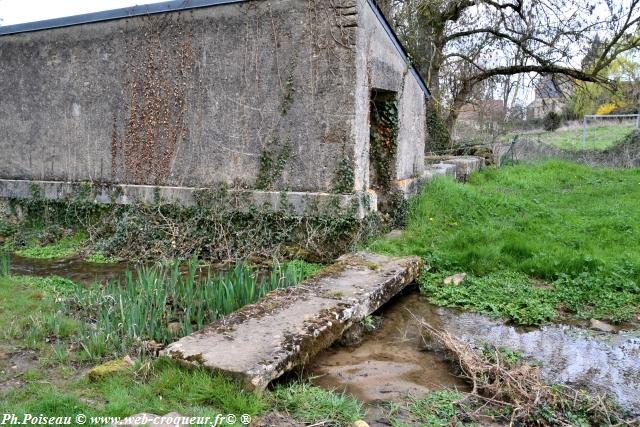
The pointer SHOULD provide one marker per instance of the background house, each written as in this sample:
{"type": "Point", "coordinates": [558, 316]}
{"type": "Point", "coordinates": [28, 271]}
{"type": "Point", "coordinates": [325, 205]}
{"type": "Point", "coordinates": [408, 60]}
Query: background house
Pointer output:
{"type": "Point", "coordinates": [549, 96]}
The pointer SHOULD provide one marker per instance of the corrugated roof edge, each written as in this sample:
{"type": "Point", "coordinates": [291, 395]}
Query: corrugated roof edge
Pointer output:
{"type": "Point", "coordinates": [176, 5]}
{"type": "Point", "coordinates": [401, 50]}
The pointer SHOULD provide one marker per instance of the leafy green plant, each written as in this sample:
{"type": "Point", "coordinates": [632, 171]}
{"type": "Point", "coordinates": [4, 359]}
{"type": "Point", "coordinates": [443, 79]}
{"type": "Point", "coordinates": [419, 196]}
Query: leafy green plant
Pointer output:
{"type": "Point", "coordinates": [344, 178]}
{"type": "Point", "coordinates": [613, 296]}
{"type": "Point", "coordinates": [504, 294]}
{"type": "Point", "coordinates": [100, 258]}
{"type": "Point", "coordinates": [384, 140]}
{"type": "Point", "coordinates": [438, 408]}
{"type": "Point", "coordinates": [273, 160]}
{"type": "Point", "coordinates": [368, 322]}
{"type": "Point", "coordinates": [290, 89]}
{"type": "Point", "coordinates": [62, 248]}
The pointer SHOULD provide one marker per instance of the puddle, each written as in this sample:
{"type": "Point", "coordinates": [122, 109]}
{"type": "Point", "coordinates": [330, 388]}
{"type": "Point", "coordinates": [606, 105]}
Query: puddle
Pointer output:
{"type": "Point", "coordinates": [390, 361]}
{"type": "Point", "coordinates": [75, 269]}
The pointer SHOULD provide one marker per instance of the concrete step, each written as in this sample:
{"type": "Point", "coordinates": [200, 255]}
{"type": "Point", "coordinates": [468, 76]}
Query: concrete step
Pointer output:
{"type": "Point", "coordinates": [262, 341]}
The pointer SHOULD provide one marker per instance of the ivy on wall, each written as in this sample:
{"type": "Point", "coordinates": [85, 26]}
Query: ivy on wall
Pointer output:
{"type": "Point", "coordinates": [384, 142]}
{"type": "Point", "coordinates": [273, 160]}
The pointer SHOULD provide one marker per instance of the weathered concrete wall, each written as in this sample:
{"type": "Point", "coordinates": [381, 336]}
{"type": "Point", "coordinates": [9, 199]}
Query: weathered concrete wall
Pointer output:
{"type": "Point", "coordinates": [380, 66]}
{"type": "Point", "coordinates": [189, 98]}
{"type": "Point", "coordinates": [356, 204]}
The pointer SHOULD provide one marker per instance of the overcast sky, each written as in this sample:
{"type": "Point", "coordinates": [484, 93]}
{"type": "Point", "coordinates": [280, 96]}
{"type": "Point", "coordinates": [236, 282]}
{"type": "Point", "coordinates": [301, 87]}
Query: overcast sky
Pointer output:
{"type": "Point", "coordinates": [18, 11]}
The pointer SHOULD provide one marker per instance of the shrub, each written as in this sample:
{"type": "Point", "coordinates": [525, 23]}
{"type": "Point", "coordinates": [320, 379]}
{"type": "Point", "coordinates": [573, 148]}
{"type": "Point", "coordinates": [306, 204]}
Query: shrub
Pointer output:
{"type": "Point", "coordinates": [552, 121]}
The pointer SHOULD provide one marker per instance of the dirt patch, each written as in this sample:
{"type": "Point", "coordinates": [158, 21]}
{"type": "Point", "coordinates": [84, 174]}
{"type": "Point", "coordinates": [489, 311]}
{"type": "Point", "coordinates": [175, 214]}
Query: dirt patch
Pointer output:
{"type": "Point", "coordinates": [276, 419]}
{"type": "Point", "coordinates": [13, 363]}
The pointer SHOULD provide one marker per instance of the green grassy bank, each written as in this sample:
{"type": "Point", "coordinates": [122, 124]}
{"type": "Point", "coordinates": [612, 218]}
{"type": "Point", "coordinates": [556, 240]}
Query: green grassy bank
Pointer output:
{"type": "Point", "coordinates": [538, 242]}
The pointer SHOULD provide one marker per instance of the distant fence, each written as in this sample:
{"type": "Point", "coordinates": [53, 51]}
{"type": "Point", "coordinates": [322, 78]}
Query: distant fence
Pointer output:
{"type": "Point", "coordinates": [625, 154]}
{"type": "Point", "coordinates": [598, 130]}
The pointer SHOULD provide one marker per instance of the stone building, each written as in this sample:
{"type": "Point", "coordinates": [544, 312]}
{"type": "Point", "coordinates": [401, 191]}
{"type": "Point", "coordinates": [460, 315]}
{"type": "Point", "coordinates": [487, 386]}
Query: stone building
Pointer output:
{"type": "Point", "coordinates": [550, 97]}
{"type": "Point", "coordinates": [265, 96]}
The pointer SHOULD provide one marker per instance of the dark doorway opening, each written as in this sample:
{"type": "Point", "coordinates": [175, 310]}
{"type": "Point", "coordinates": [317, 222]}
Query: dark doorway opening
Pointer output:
{"type": "Point", "coordinates": [383, 138]}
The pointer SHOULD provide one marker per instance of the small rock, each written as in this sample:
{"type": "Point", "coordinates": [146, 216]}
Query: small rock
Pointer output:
{"type": "Point", "coordinates": [456, 279]}
{"type": "Point", "coordinates": [360, 423]}
{"type": "Point", "coordinates": [599, 325]}
{"type": "Point", "coordinates": [352, 336]}
{"type": "Point", "coordinates": [128, 360]}
{"type": "Point", "coordinates": [107, 369]}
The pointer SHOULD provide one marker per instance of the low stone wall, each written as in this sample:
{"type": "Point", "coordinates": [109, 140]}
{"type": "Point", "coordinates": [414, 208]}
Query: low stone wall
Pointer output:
{"type": "Point", "coordinates": [299, 203]}
{"type": "Point", "coordinates": [454, 167]}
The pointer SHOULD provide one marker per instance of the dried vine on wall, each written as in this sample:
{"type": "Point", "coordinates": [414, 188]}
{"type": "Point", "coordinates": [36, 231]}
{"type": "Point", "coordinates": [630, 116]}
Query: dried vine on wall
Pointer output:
{"type": "Point", "coordinates": [161, 67]}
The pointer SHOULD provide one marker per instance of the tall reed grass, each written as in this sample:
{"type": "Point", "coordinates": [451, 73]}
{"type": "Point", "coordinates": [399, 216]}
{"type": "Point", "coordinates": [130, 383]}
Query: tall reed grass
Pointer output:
{"type": "Point", "coordinates": [162, 302]}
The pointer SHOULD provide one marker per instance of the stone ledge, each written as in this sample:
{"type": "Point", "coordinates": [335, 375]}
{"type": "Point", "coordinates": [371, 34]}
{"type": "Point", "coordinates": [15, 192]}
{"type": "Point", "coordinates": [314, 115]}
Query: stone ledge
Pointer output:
{"type": "Point", "coordinates": [465, 165]}
{"type": "Point", "coordinates": [262, 341]}
{"type": "Point", "coordinates": [298, 202]}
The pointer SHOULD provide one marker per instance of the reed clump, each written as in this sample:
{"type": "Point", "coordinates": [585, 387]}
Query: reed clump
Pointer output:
{"type": "Point", "coordinates": [154, 305]}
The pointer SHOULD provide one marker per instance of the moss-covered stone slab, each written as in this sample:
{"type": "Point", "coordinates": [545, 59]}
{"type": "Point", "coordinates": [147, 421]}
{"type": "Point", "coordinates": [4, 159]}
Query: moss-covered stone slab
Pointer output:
{"type": "Point", "coordinates": [262, 341]}
{"type": "Point", "coordinates": [108, 369]}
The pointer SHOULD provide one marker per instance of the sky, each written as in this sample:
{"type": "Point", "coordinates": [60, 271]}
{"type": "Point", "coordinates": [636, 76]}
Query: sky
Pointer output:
{"type": "Point", "coordinates": [19, 11]}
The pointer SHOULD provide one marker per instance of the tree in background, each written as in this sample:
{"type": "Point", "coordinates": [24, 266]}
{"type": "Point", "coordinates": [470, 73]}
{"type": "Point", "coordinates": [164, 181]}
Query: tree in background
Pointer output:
{"type": "Point", "coordinates": [459, 45]}
{"type": "Point", "coordinates": [620, 96]}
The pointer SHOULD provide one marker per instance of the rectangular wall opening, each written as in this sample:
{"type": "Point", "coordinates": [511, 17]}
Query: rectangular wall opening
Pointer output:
{"type": "Point", "coordinates": [383, 143]}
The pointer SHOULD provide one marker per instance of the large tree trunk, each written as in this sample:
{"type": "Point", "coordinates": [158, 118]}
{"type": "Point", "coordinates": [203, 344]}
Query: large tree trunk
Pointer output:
{"type": "Point", "coordinates": [459, 100]}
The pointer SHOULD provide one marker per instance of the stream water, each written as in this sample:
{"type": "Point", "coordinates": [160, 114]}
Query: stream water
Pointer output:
{"type": "Point", "coordinates": [393, 360]}
{"type": "Point", "coordinates": [76, 269]}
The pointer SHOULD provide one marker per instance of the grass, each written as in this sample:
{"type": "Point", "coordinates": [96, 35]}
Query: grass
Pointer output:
{"type": "Point", "coordinates": [63, 248]}
{"type": "Point", "coordinates": [598, 137]}
{"type": "Point", "coordinates": [437, 408]}
{"type": "Point", "coordinates": [160, 387]}
{"type": "Point", "coordinates": [313, 404]}
{"type": "Point", "coordinates": [34, 315]}
{"type": "Point", "coordinates": [538, 241]}
{"type": "Point", "coordinates": [4, 264]}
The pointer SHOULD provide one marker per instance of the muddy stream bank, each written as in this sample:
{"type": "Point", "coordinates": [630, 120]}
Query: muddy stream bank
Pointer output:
{"type": "Point", "coordinates": [393, 360]}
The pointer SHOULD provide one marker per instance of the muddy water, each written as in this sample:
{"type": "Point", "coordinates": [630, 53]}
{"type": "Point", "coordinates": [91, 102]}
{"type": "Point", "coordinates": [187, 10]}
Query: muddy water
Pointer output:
{"type": "Point", "coordinates": [390, 362]}
{"type": "Point", "coordinates": [76, 269]}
